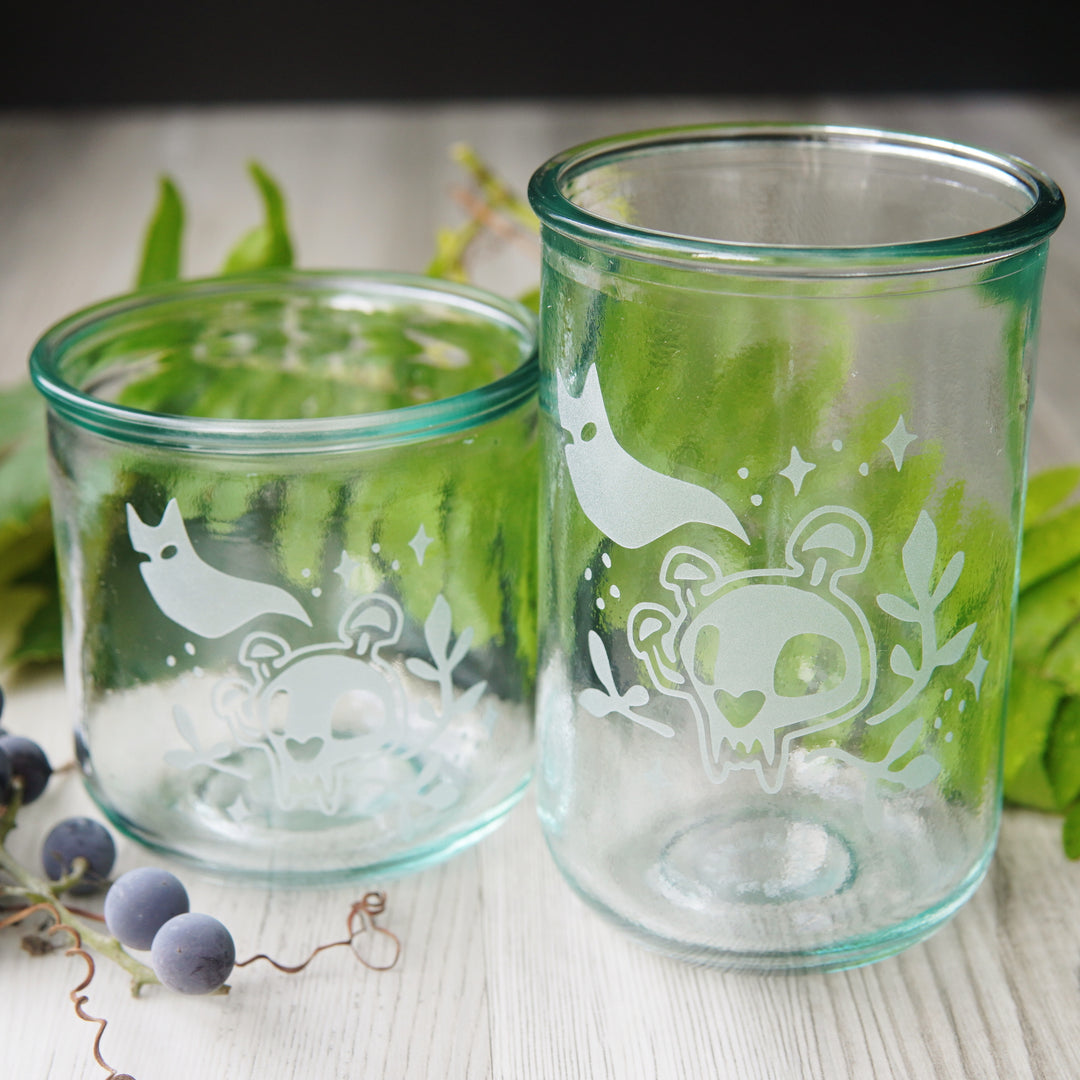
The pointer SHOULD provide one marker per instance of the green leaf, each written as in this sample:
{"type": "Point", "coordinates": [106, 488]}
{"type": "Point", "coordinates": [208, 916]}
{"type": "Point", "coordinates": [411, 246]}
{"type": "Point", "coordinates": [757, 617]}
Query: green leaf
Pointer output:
{"type": "Point", "coordinates": [1033, 705]}
{"type": "Point", "coordinates": [267, 245]}
{"type": "Point", "coordinates": [1050, 546]}
{"type": "Point", "coordinates": [1070, 833]}
{"type": "Point", "coordinates": [1062, 756]}
{"type": "Point", "coordinates": [24, 478]}
{"type": "Point", "coordinates": [1062, 662]}
{"type": "Point", "coordinates": [161, 245]}
{"type": "Point", "coordinates": [1048, 490]}
{"type": "Point", "coordinates": [1045, 612]}
{"type": "Point", "coordinates": [41, 636]}
{"type": "Point", "coordinates": [19, 604]}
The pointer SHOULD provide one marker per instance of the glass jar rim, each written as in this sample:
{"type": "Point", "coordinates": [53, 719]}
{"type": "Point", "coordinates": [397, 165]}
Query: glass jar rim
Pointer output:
{"type": "Point", "coordinates": [429, 420]}
{"type": "Point", "coordinates": [558, 212]}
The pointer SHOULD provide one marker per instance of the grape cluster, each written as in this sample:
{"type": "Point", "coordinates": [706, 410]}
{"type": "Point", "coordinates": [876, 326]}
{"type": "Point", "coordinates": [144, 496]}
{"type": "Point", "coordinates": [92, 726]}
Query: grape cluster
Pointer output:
{"type": "Point", "coordinates": [146, 908]}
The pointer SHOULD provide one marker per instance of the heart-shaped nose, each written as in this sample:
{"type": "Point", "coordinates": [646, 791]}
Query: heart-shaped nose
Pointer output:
{"type": "Point", "coordinates": [306, 750]}
{"type": "Point", "coordinates": [739, 711]}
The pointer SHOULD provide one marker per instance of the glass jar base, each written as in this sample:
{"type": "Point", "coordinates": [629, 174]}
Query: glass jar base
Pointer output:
{"type": "Point", "coordinates": [292, 857]}
{"type": "Point", "coordinates": [769, 892]}
{"type": "Point", "coordinates": [763, 859]}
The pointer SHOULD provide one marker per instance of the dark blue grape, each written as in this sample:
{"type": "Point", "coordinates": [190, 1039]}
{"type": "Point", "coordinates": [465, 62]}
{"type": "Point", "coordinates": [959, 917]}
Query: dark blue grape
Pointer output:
{"type": "Point", "coordinates": [193, 954]}
{"type": "Point", "coordinates": [6, 787]}
{"type": "Point", "coordinates": [29, 762]}
{"type": "Point", "coordinates": [141, 902]}
{"type": "Point", "coordinates": [74, 838]}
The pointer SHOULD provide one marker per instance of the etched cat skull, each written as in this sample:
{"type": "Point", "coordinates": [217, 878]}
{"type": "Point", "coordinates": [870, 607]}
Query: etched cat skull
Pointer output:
{"type": "Point", "coordinates": [328, 715]}
{"type": "Point", "coordinates": [763, 655]}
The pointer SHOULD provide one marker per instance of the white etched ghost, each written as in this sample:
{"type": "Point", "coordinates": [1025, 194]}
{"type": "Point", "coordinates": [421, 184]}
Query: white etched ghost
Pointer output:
{"type": "Point", "coordinates": [202, 599]}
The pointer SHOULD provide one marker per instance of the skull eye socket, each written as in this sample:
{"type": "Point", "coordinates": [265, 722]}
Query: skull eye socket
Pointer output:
{"type": "Point", "coordinates": [277, 713]}
{"type": "Point", "coordinates": [706, 651]}
{"type": "Point", "coordinates": [357, 712]}
{"type": "Point", "coordinates": [808, 664]}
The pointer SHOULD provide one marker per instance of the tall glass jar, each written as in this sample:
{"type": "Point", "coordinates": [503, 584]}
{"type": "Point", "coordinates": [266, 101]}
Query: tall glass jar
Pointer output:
{"type": "Point", "coordinates": [786, 375]}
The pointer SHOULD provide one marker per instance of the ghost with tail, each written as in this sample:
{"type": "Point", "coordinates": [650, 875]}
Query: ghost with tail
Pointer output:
{"type": "Point", "coordinates": [199, 597]}
{"type": "Point", "coordinates": [626, 500]}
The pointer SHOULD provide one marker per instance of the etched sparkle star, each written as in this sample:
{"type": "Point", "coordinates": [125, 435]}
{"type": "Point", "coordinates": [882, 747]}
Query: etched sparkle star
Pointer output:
{"type": "Point", "coordinates": [797, 469]}
{"type": "Point", "coordinates": [978, 670]}
{"type": "Point", "coordinates": [345, 567]}
{"type": "Point", "coordinates": [898, 440]}
{"type": "Point", "coordinates": [420, 543]}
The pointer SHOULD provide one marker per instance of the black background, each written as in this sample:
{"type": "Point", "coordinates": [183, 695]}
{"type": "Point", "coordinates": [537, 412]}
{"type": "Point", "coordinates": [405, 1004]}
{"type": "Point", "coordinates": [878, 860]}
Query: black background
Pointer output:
{"type": "Point", "coordinates": [82, 54]}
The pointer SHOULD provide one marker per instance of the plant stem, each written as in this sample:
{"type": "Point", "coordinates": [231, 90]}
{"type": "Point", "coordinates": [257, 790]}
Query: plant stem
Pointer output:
{"type": "Point", "coordinates": [36, 891]}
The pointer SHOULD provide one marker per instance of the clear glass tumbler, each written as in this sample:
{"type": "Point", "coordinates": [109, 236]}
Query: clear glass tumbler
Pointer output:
{"type": "Point", "coordinates": [296, 529]}
{"type": "Point", "coordinates": [786, 377]}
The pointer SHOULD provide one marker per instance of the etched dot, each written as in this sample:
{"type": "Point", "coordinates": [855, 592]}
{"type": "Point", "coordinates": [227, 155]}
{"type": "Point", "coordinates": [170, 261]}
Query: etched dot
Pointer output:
{"type": "Point", "coordinates": [469, 441]}
{"type": "Point", "coordinates": [962, 706]}
{"type": "Point", "coordinates": [948, 694]}
{"type": "Point", "coordinates": [744, 472]}
{"type": "Point", "coordinates": [316, 592]}
{"type": "Point", "coordinates": [606, 560]}
{"type": "Point", "coordinates": [395, 565]}
{"type": "Point", "coordinates": [614, 590]}
{"type": "Point", "coordinates": [189, 648]}
{"type": "Point", "coordinates": [376, 548]}
{"type": "Point", "coordinates": [837, 445]}
{"type": "Point", "coordinates": [588, 573]}
{"type": "Point", "coordinates": [755, 499]}
{"type": "Point", "coordinates": [170, 661]}
{"type": "Point", "coordinates": [197, 672]}
{"type": "Point", "coordinates": [600, 602]}
{"type": "Point", "coordinates": [948, 736]}
{"type": "Point", "coordinates": [864, 469]}
{"type": "Point", "coordinates": [937, 722]}
{"type": "Point", "coordinates": [305, 573]}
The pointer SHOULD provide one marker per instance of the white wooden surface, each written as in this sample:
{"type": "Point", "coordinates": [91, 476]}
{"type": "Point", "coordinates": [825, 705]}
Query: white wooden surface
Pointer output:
{"type": "Point", "coordinates": [504, 973]}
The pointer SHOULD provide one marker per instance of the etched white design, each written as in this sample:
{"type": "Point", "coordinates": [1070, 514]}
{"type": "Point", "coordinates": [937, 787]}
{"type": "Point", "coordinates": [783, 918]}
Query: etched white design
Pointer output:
{"type": "Point", "coordinates": [609, 700]}
{"type": "Point", "coordinates": [332, 721]}
{"type": "Point", "coordinates": [335, 723]}
{"type": "Point", "coordinates": [194, 594]}
{"type": "Point", "coordinates": [627, 501]}
{"type": "Point", "coordinates": [420, 543]}
{"type": "Point", "coordinates": [919, 554]}
{"type": "Point", "coordinates": [978, 670]}
{"type": "Point", "coordinates": [315, 709]}
{"type": "Point", "coordinates": [346, 567]}
{"type": "Point", "coordinates": [918, 772]}
{"type": "Point", "coordinates": [797, 470]}
{"type": "Point", "coordinates": [898, 440]}
{"type": "Point", "coordinates": [763, 655]}
{"type": "Point", "coordinates": [768, 655]}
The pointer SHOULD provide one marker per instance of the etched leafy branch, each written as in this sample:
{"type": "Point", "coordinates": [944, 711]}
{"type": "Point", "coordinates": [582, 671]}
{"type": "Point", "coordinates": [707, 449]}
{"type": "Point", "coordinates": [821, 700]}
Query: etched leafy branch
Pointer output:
{"type": "Point", "coordinates": [604, 702]}
{"type": "Point", "coordinates": [918, 772]}
{"type": "Point", "coordinates": [211, 757]}
{"type": "Point", "coordinates": [919, 555]}
{"type": "Point", "coordinates": [445, 660]}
